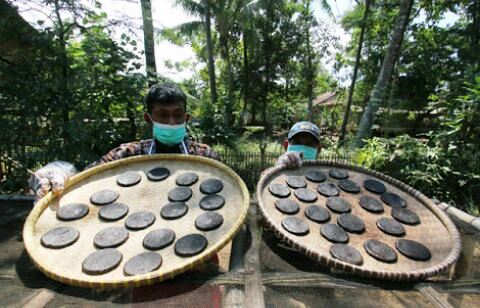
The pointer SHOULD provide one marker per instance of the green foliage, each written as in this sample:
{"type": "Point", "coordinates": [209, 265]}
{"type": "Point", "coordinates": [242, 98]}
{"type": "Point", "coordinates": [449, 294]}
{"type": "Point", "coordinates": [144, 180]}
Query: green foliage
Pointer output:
{"type": "Point", "coordinates": [447, 164]}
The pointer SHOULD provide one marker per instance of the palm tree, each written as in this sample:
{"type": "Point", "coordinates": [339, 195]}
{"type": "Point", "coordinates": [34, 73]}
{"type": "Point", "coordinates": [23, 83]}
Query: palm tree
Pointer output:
{"type": "Point", "coordinates": [149, 41]}
{"type": "Point", "coordinates": [203, 10]}
{"type": "Point", "coordinates": [355, 71]}
{"type": "Point", "coordinates": [379, 91]}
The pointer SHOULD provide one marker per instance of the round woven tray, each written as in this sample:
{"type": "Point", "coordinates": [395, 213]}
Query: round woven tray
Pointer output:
{"type": "Point", "coordinates": [65, 265]}
{"type": "Point", "coordinates": [436, 230]}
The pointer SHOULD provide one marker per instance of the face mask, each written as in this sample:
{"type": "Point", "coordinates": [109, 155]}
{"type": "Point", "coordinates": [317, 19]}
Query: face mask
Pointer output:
{"type": "Point", "coordinates": [169, 134]}
{"type": "Point", "coordinates": [309, 153]}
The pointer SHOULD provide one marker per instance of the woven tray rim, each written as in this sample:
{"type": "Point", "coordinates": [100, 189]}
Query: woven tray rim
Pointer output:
{"type": "Point", "coordinates": [152, 277]}
{"type": "Point", "coordinates": [354, 269]}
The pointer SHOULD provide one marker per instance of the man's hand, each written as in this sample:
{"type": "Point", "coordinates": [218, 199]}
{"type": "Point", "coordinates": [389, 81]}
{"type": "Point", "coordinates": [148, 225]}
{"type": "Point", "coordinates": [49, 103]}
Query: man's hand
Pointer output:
{"type": "Point", "coordinates": [51, 177]}
{"type": "Point", "coordinates": [290, 160]}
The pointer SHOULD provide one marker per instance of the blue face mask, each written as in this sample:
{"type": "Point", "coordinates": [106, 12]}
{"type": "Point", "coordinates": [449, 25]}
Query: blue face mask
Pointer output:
{"type": "Point", "coordinates": [169, 134]}
{"type": "Point", "coordinates": [309, 153]}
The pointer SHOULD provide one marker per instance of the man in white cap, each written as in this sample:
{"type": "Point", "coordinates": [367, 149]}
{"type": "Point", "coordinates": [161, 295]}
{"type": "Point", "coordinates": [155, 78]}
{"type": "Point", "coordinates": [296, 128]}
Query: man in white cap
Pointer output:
{"type": "Point", "coordinates": [302, 143]}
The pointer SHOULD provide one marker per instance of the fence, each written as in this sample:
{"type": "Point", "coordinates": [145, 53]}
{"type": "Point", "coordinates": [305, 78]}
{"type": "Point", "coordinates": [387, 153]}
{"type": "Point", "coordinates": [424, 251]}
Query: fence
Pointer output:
{"type": "Point", "coordinates": [14, 162]}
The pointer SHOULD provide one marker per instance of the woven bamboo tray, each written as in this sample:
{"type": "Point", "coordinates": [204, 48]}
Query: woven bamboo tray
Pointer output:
{"type": "Point", "coordinates": [436, 230]}
{"type": "Point", "coordinates": [65, 264]}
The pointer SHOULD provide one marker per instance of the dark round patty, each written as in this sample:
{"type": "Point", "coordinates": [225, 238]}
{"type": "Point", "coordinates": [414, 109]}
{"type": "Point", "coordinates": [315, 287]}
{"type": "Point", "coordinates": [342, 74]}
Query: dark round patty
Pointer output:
{"type": "Point", "coordinates": [102, 261]}
{"type": "Point", "coordinates": [158, 239]}
{"type": "Point", "coordinates": [305, 195]}
{"type": "Point", "coordinates": [129, 178]}
{"type": "Point", "coordinates": [405, 215]}
{"type": "Point", "coordinates": [180, 194]}
{"type": "Point", "coordinates": [174, 210]}
{"type": "Point", "coordinates": [338, 173]}
{"type": "Point", "coordinates": [296, 182]}
{"type": "Point", "coordinates": [338, 205]}
{"type": "Point", "coordinates": [187, 179]}
{"type": "Point", "coordinates": [209, 221]}
{"type": "Point", "coordinates": [328, 189]}
{"type": "Point", "coordinates": [393, 200]}
{"type": "Point", "coordinates": [212, 202]}
{"type": "Point", "coordinates": [374, 186]}
{"type": "Point", "coordinates": [346, 253]}
{"type": "Point", "coordinates": [390, 226]}
{"type": "Point", "coordinates": [351, 223]}
{"type": "Point", "coordinates": [190, 245]}
{"type": "Point", "coordinates": [158, 174]}
{"type": "Point", "coordinates": [413, 250]}
{"type": "Point", "coordinates": [317, 214]}
{"type": "Point", "coordinates": [287, 206]}
{"type": "Point", "coordinates": [72, 211]}
{"type": "Point", "coordinates": [111, 237]}
{"type": "Point", "coordinates": [316, 176]}
{"type": "Point", "coordinates": [113, 211]}
{"type": "Point", "coordinates": [380, 251]}
{"type": "Point", "coordinates": [279, 190]}
{"type": "Point", "coordinates": [295, 225]}
{"type": "Point", "coordinates": [334, 233]}
{"type": "Point", "coordinates": [143, 263]}
{"type": "Point", "coordinates": [104, 196]}
{"type": "Point", "coordinates": [349, 186]}
{"type": "Point", "coordinates": [371, 204]}
{"type": "Point", "coordinates": [211, 186]}
{"type": "Point", "coordinates": [60, 237]}
{"type": "Point", "coordinates": [140, 220]}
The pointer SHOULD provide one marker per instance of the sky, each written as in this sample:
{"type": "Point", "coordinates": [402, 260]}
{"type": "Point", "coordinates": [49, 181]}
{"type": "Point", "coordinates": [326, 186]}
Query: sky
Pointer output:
{"type": "Point", "coordinates": [166, 14]}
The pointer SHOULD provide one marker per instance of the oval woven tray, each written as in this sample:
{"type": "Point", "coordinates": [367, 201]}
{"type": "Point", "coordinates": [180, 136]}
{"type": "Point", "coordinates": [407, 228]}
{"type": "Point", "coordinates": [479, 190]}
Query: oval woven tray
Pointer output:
{"type": "Point", "coordinates": [436, 230]}
{"type": "Point", "coordinates": [65, 265]}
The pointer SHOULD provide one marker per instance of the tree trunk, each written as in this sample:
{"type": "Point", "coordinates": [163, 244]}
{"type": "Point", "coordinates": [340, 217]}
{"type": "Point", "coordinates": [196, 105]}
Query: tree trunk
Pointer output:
{"type": "Point", "coordinates": [378, 93]}
{"type": "Point", "coordinates": [63, 90]}
{"type": "Point", "coordinates": [310, 74]}
{"type": "Point", "coordinates": [229, 101]}
{"type": "Point", "coordinates": [246, 79]}
{"type": "Point", "coordinates": [354, 77]}
{"type": "Point", "coordinates": [211, 62]}
{"type": "Point", "coordinates": [149, 41]}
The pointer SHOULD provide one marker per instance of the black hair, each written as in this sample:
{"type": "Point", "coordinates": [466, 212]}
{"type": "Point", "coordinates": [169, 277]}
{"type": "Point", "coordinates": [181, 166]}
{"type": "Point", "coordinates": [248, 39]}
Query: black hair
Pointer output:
{"type": "Point", "coordinates": [164, 93]}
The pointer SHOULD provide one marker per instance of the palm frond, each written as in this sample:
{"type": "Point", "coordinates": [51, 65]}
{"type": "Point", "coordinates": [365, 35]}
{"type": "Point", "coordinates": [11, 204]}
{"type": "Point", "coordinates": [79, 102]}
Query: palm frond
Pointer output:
{"type": "Point", "coordinates": [192, 7]}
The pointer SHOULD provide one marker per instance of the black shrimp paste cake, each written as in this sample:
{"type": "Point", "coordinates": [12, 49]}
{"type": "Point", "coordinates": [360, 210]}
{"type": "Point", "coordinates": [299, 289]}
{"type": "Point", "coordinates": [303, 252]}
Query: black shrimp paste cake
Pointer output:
{"type": "Point", "coordinates": [279, 190]}
{"type": "Point", "coordinates": [143, 263]}
{"type": "Point", "coordinates": [390, 226]}
{"type": "Point", "coordinates": [187, 179]}
{"type": "Point", "coordinates": [380, 251]}
{"type": "Point", "coordinates": [140, 220]}
{"type": "Point", "coordinates": [60, 237]}
{"type": "Point", "coordinates": [413, 250]}
{"type": "Point", "coordinates": [102, 261]}
{"type": "Point", "coordinates": [295, 225]}
{"type": "Point", "coordinates": [328, 189]}
{"type": "Point", "coordinates": [334, 233]}
{"type": "Point", "coordinates": [104, 196]}
{"type": "Point", "coordinates": [209, 221]}
{"type": "Point", "coordinates": [129, 178]}
{"type": "Point", "coordinates": [111, 237]}
{"type": "Point", "coordinates": [113, 211]}
{"type": "Point", "coordinates": [346, 253]}
{"type": "Point", "coordinates": [72, 211]}
{"type": "Point", "coordinates": [190, 245]}
{"type": "Point", "coordinates": [317, 214]}
{"type": "Point", "coordinates": [174, 210]}
{"type": "Point", "coordinates": [158, 239]}
{"type": "Point", "coordinates": [287, 206]}
{"type": "Point", "coordinates": [212, 202]}
{"type": "Point", "coordinates": [211, 186]}
{"type": "Point", "coordinates": [158, 174]}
